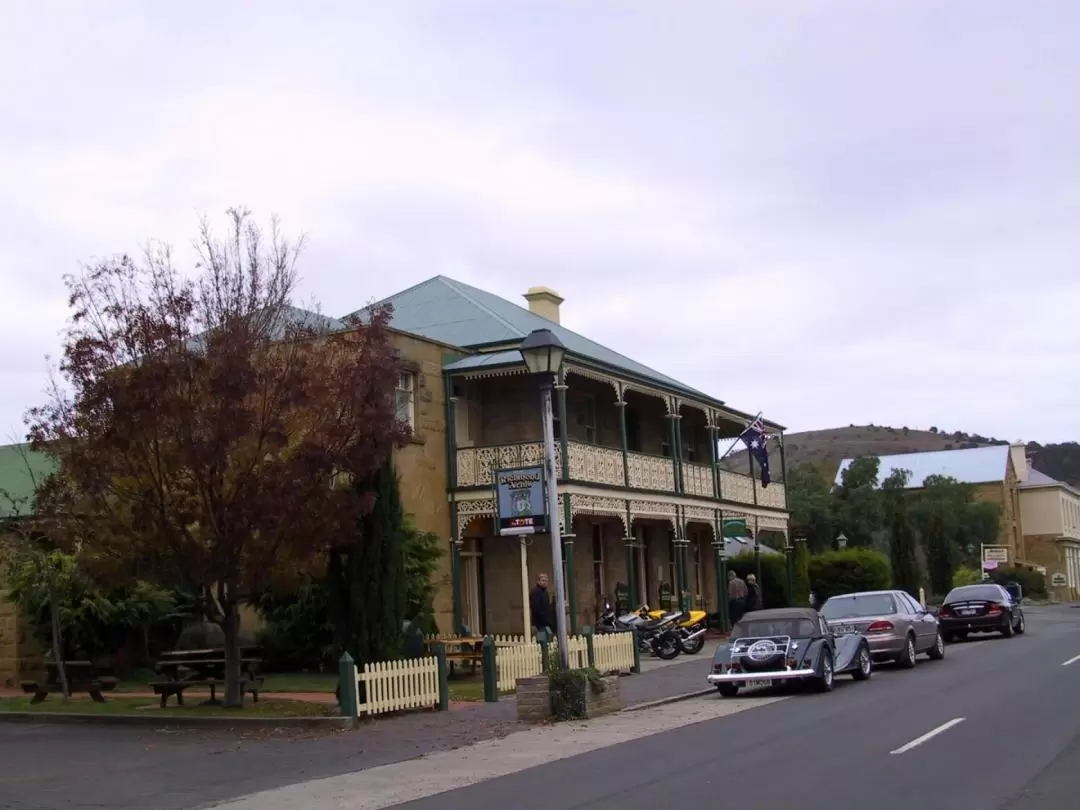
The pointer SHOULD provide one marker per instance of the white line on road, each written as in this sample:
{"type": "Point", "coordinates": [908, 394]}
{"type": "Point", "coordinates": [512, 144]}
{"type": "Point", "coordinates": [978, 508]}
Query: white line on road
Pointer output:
{"type": "Point", "coordinates": [1072, 660]}
{"type": "Point", "coordinates": [927, 736]}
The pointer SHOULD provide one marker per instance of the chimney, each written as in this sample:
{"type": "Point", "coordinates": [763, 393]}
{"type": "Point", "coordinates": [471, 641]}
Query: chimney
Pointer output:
{"type": "Point", "coordinates": [544, 301]}
{"type": "Point", "coordinates": [1018, 454]}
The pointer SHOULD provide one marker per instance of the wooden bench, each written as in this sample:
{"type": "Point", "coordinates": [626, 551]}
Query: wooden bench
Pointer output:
{"type": "Point", "coordinates": [81, 678]}
{"type": "Point", "coordinates": [169, 688]}
{"type": "Point", "coordinates": [183, 669]}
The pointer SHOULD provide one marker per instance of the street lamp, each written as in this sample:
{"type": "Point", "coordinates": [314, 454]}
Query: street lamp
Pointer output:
{"type": "Point", "coordinates": [543, 353]}
{"type": "Point", "coordinates": [841, 540]}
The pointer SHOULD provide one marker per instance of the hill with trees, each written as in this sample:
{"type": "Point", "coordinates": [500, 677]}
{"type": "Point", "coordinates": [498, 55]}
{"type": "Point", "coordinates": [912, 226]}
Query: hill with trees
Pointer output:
{"type": "Point", "coordinates": [826, 448]}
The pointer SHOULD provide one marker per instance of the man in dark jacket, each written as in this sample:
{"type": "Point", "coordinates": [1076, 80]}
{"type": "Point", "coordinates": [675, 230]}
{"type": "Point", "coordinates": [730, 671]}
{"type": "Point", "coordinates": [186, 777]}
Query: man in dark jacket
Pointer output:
{"type": "Point", "coordinates": [543, 614]}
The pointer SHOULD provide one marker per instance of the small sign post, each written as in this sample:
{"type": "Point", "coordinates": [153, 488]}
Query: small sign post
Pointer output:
{"type": "Point", "coordinates": [1059, 580]}
{"type": "Point", "coordinates": [520, 501]}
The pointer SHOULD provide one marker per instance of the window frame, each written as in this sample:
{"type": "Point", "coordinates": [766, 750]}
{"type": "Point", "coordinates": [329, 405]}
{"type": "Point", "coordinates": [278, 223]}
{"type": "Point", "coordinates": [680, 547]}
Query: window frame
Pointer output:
{"type": "Point", "coordinates": [413, 379]}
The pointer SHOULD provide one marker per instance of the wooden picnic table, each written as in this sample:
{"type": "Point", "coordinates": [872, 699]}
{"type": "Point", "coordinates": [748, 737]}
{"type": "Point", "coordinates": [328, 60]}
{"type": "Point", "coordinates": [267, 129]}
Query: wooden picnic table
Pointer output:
{"type": "Point", "coordinates": [82, 676]}
{"type": "Point", "coordinates": [184, 669]}
{"type": "Point", "coordinates": [463, 649]}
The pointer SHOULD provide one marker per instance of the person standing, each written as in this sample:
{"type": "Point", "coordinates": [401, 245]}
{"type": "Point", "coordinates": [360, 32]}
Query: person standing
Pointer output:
{"type": "Point", "coordinates": [753, 594]}
{"type": "Point", "coordinates": [540, 607]}
{"type": "Point", "coordinates": [736, 591]}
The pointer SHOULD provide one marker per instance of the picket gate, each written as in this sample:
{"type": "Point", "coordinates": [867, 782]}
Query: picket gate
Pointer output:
{"type": "Point", "coordinates": [613, 652]}
{"type": "Point", "coordinates": [391, 686]}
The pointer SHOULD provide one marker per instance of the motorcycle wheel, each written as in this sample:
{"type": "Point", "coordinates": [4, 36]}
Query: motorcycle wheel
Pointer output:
{"type": "Point", "coordinates": [694, 645]}
{"type": "Point", "coordinates": [667, 646]}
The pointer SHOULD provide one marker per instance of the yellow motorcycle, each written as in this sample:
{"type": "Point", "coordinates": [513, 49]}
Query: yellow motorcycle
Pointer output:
{"type": "Point", "coordinates": [691, 629]}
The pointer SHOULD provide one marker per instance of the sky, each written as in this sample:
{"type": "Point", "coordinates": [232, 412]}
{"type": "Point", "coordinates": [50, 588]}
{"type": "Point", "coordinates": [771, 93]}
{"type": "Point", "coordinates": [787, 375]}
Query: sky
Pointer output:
{"type": "Point", "coordinates": [831, 212]}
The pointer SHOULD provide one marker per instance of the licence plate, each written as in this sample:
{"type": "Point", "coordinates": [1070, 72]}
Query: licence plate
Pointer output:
{"type": "Point", "coordinates": [763, 684]}
{"type": "Point", "coordinates": [967, 612]}
{"type": "Point", "coordinates": [845, 629]}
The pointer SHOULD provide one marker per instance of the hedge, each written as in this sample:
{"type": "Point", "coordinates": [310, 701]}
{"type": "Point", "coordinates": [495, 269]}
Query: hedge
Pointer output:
{"type": "Point", "coordinates": [848, 571]}
{"type": "Point", "coordinates": [1032, 582]}
{"type": "Point", "coordinates": [773, 580]}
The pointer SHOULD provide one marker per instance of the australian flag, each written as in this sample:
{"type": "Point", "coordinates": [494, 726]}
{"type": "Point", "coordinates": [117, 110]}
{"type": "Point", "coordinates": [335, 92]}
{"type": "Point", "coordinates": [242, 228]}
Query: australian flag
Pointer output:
{"type": "Point", "coordinates": [757, 444]}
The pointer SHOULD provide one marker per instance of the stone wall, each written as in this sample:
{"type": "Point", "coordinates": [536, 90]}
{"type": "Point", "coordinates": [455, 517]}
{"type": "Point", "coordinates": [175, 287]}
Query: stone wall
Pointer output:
{"type": "Point", "coordinates": [421, 464]}
{"type": "Point", "coordinates": [20, 656]}
{"type": "Point", "coordinates": [1049, 551]}
{"type": "Point", "coordinates": [534, 698]}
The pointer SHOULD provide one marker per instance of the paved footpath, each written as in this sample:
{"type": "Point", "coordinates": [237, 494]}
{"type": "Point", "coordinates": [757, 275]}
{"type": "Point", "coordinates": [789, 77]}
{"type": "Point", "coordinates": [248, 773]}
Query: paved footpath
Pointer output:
{"type": "Point", "coordinates": [48, 767]}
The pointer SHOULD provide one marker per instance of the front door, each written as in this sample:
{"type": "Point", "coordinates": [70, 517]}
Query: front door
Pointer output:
{"type": "Point", "coordinates": [471, 608]}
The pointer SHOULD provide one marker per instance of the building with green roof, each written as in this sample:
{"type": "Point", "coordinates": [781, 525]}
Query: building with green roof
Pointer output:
{"type": "Point", "coordinates": [643, 495]}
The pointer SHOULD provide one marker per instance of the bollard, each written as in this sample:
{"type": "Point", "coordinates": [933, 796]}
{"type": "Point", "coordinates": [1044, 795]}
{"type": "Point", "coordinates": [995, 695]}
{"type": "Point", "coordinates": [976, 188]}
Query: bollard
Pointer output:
{"type": "Point", "coordinates": [922, 596]}
{"type": "Point", "coordinates": [444, 677]}
{"type": "Point", "coordinates": [491, 676]}
{"type": "Point", "coordinates": [347, 686]}
{"type": "Point", "coordinates": [588, 633]}
{"type": "Point", "coordinates": [636, 668]}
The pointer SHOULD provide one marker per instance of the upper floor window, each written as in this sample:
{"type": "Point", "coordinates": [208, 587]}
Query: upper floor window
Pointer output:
{"type": "Point", "coordinates": [689, 445]}
{"type": "Point", "coordinates": [633, 430]}
{"type": "Point", "coordinates": [586, 419]}
{"type": "Point", "coordinates": [405, 398]}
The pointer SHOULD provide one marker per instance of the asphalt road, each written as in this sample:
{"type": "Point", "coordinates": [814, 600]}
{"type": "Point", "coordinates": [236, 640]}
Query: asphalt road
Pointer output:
{"type": "Point", "coordinates": [1006, 713]}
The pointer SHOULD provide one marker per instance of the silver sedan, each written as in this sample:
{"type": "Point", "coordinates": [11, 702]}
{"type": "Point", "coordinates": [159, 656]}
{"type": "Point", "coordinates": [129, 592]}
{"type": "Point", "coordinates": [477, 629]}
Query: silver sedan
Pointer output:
{"type": "Point", "coordinates": [896, 625]}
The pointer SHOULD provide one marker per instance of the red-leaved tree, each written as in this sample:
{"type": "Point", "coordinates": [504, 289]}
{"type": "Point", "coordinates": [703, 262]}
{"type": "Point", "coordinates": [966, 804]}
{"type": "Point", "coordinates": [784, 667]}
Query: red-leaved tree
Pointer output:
{"type": "Point", "coordinates": [201, 423]}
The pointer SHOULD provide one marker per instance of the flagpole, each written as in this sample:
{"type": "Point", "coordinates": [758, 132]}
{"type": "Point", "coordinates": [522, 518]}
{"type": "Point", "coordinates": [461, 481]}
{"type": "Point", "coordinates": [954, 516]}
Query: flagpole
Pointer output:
{"type": "Point", "coordinates": [735, 441]}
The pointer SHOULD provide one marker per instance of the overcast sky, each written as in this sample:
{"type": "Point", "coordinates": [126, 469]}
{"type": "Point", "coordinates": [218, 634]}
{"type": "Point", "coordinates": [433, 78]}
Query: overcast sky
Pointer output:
{"type": "Point", "coordinates": [832, 212]}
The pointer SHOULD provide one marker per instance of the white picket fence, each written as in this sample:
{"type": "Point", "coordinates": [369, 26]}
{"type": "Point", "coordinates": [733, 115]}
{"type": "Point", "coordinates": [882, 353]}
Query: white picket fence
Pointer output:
{"type": "Point", "coordinates": [392, 686]}
{"type": "Point", "coordinates": [516, 658]}
{"type": "Point", "coordinates": [613, 652]}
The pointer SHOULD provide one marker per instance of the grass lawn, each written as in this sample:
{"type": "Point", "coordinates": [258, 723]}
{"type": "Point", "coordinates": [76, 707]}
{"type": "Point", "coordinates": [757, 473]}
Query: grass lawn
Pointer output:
{"type": "Point", "coordinates": [80, 704]}
{"type": "Point", "coordinates": [461, 689]}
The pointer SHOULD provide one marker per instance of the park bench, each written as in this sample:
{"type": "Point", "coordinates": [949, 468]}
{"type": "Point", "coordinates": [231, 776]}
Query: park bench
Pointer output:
{"type": "Point", "coordinates": [188, 669]}
{"type": "Point", "coordinates": [82, 677]}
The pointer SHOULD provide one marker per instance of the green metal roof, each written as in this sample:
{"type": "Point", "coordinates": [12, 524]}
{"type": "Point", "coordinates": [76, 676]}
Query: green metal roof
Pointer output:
{"type": "Point", "coordinates": [459, 315]}
{"type": "Point", "coordinates": [21, 471]}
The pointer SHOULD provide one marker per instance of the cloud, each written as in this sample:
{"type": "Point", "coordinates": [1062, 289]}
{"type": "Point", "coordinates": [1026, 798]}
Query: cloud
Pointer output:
{"type": "Point", "coordinates": [830, 211]}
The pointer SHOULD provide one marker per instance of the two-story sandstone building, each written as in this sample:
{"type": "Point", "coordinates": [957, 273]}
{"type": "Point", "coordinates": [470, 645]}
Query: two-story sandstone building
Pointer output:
{"type": "Point", "coordinates": [642, 497]}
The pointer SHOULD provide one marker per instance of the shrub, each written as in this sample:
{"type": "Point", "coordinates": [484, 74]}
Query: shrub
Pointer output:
{"type": "Point", "coordinates": [773, 580]}
{"type": "Point", "coordinates": [848, 571]}
{"type": "Point", "coordinates": [567, 691]}
{"type": "Point", "coordinates": [1033, 583]}
{"type": "Point", "coordinates": [965, 576]}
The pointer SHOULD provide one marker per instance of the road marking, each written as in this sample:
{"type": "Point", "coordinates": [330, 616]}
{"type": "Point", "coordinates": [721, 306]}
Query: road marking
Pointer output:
{"type": "Point", "coordinates": [927, 736]}
{"type": "Point", "coordinates": [1074, 659]}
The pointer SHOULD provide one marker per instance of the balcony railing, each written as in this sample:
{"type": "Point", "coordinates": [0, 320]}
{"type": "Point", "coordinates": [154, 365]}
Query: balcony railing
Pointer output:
{"type": "Point", "coordinates": [604, 465]}
{"type": "Point", "coordinates": [697, 479]}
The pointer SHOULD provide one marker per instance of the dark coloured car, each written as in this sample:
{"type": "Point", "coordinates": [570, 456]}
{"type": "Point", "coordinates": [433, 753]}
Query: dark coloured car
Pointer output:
{"type": "Point", "coordinates": [769, 647]}
{"type": "Point", "coordinates": [896, 626]}
{"type": "Point", "coordinates": [982, 608]}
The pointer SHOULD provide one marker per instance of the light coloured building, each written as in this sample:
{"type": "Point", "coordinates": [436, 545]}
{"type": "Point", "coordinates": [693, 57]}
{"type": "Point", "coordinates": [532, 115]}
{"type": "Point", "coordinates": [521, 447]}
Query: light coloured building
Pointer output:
{"type": "Point", "coordinates": [995, 472]}
{"type": "Point", "coordinates": [1050, 514]}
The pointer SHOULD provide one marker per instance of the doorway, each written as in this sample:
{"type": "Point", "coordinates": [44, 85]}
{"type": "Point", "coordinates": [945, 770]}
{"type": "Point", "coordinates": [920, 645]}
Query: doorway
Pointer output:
{"type": "Point", "coordinates": [472, 574]}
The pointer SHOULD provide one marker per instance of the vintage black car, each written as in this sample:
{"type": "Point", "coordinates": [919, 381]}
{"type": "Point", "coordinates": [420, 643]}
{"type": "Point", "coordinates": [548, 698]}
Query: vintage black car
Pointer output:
{"type": "Point", "coordinates": [784, 645]}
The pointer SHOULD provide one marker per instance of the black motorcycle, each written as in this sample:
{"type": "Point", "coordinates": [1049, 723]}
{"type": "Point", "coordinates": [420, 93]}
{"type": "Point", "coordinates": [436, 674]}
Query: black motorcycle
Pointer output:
{"type": "Point", "coordinates": [659, 637]}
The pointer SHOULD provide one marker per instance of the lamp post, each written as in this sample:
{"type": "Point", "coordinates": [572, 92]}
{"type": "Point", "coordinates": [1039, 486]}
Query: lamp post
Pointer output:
{"type": "Point", "coordinates": [841, 541]}
{"type": "Point", "coordinates": [543, 353]}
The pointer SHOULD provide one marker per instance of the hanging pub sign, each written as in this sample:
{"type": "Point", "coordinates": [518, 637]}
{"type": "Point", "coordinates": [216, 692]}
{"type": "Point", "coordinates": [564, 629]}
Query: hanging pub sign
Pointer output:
{"type": "Point", "coordinates": [520, 501]}
{"type": "Point", "coordinates": [735, 528]}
